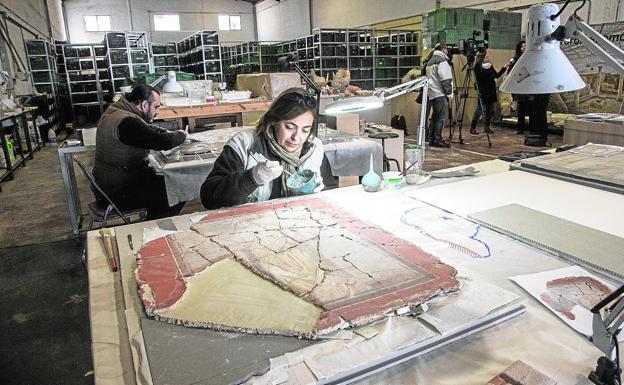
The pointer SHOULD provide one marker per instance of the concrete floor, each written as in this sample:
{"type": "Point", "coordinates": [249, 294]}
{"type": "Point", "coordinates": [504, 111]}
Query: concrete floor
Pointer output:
{"type": "Point", "coordinates": [43, 292]}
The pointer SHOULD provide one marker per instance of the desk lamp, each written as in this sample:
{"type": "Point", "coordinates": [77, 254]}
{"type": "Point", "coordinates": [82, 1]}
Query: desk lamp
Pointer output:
{"type": "Point", "coordinates": [172, 84]}
{"type": "Point", "coordinates": [543, 68]}
{"type": "Point", "coordinates": [356, 104]}
{"type": "Point", "coordinates": [284, 64]}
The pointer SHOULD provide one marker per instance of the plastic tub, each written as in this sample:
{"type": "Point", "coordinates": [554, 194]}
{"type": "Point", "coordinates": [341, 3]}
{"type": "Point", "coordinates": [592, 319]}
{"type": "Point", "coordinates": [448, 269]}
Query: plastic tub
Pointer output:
{"type": "Point", "coordinates": [392, 179]}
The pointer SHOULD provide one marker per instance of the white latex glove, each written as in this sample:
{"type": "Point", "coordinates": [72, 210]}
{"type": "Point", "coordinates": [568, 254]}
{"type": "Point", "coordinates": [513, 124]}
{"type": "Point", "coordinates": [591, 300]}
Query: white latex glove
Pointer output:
{"type": "Point", "coordinates": [319, 184]}
{"type": "Point", "coordinates": [264, 172]}
{"type": "Point", "coordinates": [450, 97]}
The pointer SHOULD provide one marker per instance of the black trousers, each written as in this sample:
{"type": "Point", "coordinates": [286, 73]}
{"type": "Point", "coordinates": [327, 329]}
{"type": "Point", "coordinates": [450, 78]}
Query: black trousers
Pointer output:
{"type": "Point", "coordinates": [489, 113]}
{"type": "Point", "coordinates": [439, 107]}
{"type": "Point", "coordinates": [147, 193]}
{"type": "Point", "coordinates": [538, 122]}
{"type": "Point", "coordinates": [524, 108]}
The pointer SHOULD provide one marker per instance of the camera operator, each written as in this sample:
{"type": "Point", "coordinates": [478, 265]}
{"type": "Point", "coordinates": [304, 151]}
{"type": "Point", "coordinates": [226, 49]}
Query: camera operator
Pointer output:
{"type": "Point", "coordinates": [485, 76]}
{"type": "Point", "coordinates": [440, 93]}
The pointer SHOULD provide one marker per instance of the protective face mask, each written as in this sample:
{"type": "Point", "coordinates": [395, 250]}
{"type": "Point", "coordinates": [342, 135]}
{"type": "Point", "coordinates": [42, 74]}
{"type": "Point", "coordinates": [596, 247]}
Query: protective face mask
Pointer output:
{"type": "Point", "coordinates": [486, 65]}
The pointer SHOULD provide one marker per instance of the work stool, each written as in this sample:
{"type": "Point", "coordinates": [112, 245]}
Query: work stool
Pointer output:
{"type": "Point", "coordinates": [383, 136]}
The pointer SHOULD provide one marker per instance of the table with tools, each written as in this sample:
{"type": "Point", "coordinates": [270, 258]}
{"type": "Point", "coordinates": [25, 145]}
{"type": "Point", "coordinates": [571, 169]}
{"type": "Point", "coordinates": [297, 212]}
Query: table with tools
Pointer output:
{"type": "Point", "coordinates": [129, 347]}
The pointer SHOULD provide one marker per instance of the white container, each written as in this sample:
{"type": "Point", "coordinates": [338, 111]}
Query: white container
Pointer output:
{"type": "Point", "coordinates": [392, 179]}
{"type": "Point", "coordinates": [235, 95]}
{"type": "Point", "coordinates": [52, 137]}
{"type": "Point", "coordinates": [88, 136]}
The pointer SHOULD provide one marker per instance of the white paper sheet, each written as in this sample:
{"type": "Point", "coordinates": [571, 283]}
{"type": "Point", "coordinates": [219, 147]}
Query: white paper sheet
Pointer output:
{"type": "Point", "coordinates": [591, 207]}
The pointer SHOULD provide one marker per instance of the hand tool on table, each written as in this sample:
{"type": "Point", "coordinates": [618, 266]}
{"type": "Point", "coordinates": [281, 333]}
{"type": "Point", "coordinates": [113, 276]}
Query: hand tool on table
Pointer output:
{"type": "Point", "coordinates": [108, 241]}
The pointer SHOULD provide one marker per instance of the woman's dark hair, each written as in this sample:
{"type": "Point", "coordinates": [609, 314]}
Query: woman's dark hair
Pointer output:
{"type": "Point", "coordinates": [479, 59]}
{"type": "Point", "coordinates": [519, 49]}
{"type": "Point", "coordinates": [288, 105]}
{"type": "Point", "coordinates": [141, 92]}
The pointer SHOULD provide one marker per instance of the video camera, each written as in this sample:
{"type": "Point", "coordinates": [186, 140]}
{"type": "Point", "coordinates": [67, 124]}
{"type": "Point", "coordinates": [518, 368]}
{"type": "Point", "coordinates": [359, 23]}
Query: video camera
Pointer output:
{"type": "Point", "coordinates": [469, 47]}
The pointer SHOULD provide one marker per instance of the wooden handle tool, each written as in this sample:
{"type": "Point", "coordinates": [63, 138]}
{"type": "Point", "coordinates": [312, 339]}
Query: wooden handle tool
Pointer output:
{"type": "Point", "coordinates": [108, 242]}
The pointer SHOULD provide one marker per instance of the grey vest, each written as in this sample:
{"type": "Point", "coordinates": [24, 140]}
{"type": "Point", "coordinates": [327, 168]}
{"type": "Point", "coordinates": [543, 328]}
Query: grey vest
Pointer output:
{"type": "Point", "coordinates": [115, 162]}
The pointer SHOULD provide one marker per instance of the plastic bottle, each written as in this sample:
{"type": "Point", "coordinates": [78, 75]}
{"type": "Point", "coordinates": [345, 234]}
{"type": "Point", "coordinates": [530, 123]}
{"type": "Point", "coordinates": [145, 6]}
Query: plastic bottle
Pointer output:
{"type": "Point", "coordinates": [52, 137]}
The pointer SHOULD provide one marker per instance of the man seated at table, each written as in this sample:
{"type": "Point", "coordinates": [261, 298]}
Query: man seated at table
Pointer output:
{"type": "Point", "coordinates": [124, 140]}
{"type": "Point", "coordinates": [255, 164]}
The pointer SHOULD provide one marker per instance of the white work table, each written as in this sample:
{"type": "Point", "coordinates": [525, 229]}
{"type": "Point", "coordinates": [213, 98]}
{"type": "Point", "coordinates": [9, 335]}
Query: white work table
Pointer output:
{"type": "Point", "coordinates": [537, 336]}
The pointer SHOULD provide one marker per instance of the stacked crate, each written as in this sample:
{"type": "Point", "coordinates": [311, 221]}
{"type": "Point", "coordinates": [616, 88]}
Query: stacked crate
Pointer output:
{"type": "Point", "coordinates": [200, 54]}
{"type": "Point", "coordinates": [503, 29]}
{"type": "Point", "coordinates": [451, 25]}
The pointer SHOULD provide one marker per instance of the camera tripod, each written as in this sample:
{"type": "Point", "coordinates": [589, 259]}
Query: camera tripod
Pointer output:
{"type": "Point", "coordinates": [460, 102]}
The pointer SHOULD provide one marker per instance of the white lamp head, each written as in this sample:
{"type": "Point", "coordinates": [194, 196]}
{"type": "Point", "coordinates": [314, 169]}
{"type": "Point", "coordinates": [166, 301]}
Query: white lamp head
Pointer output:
{"type": "Point", "coordinates": [172, 84]}
{"type": "Point", "coordinates": [354, 104]}
{"type": "Point", "coordinates": [542, 68]}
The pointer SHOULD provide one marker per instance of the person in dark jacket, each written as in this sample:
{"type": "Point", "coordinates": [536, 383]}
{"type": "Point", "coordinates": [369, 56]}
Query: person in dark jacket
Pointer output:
{"type": "Point", "coordinates": [440, 93]}
{"type": "Point", "coordinates": [523, 102]}
{"type": "Point", "coordinates": [124, 139]}
{"type": "Point", "coordinates": [485, 76]}
{"type": "Point", "coordinates": [255, 164]}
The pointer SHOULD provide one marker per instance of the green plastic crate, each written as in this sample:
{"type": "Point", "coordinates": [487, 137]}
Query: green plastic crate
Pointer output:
{"type": "Point", "coordinates": [503, 39]}
{"type": "Point", "coordinates": [501, 20]}
{"type": "Point", "coordinates": [458, 18]}
{"type": "Point", "coordinates": [453, 36]}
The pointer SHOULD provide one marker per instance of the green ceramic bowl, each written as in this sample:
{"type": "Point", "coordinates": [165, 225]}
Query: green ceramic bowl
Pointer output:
{"type": "Point", "coordinates": [302, 182]}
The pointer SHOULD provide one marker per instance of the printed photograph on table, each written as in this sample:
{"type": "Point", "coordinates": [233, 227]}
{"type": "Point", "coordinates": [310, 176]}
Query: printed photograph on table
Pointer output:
{"type": "Point", "coordinates": [569, 292]}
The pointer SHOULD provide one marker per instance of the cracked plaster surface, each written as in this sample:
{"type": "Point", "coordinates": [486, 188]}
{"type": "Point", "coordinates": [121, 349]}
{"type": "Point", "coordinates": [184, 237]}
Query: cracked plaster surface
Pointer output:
{"type": "Point", "coordinates": [350, 269]}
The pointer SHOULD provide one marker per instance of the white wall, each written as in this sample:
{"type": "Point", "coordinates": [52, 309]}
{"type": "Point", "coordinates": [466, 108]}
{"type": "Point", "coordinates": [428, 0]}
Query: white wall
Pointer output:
{"type": "Point", "coordinates": [594, 11]}
{"type": "Point", "coordinates": [283, 20]}
{"type": "Point", "coordinates": [137, 15]}
{"type": "Point", "coordinates": [28, 19]}
{"type": "Point", "coordinates": [361, 13]}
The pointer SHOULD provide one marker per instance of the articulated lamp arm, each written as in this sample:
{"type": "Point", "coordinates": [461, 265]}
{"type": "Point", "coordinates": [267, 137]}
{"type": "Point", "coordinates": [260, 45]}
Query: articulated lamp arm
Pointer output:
{"type": "Point", "coordinates": [599, 45]}
{"type": "Point", "coordinates": [604, 336]}
{"type": "Point", "coordinates": [398, 90]}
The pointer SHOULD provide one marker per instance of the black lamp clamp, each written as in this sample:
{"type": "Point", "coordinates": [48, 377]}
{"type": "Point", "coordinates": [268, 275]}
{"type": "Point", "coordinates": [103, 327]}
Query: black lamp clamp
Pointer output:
{"type": "Point", "coordinates": [285, 64]}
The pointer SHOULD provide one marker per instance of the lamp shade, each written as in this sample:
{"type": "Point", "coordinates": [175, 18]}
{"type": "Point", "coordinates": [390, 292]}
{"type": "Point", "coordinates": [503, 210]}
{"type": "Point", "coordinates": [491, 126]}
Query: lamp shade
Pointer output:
{"type": "Point", "coordinates": [172, 84]}
{"type": "Point", "coordinates": [543, 68]}
{"type": "Point", "coordinates": [354, 104]}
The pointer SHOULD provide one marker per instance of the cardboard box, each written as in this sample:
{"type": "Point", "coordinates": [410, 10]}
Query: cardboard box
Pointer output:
{"type": "Point", "coordinates": [269, 85]}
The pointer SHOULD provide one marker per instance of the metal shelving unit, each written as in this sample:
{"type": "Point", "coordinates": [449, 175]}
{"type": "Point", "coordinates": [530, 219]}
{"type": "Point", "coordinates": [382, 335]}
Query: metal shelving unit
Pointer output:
{"type": "Point", "coordinates": [164, 57]}
{"type": "Point", "coordinates": [375, 58]}
{"type": "Point", "coordinates": [396, 52]}
{"type": "Point", "coordinates": [42, 63]}
{"type": "Point", "coordinates": [128, 56]}
{"type": "Point", "coordinates": [200, 54]}
{"type": "Point", "coordinates": [305, 52]}
{"type": "Point", "coordinates": [86, 66]}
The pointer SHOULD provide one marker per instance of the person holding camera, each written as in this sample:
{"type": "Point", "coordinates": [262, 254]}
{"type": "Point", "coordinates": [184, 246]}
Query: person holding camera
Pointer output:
{"type": "Point", "coordinates": [440, 93]}
{"type": "Point", "coordinates": [485, 76]}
